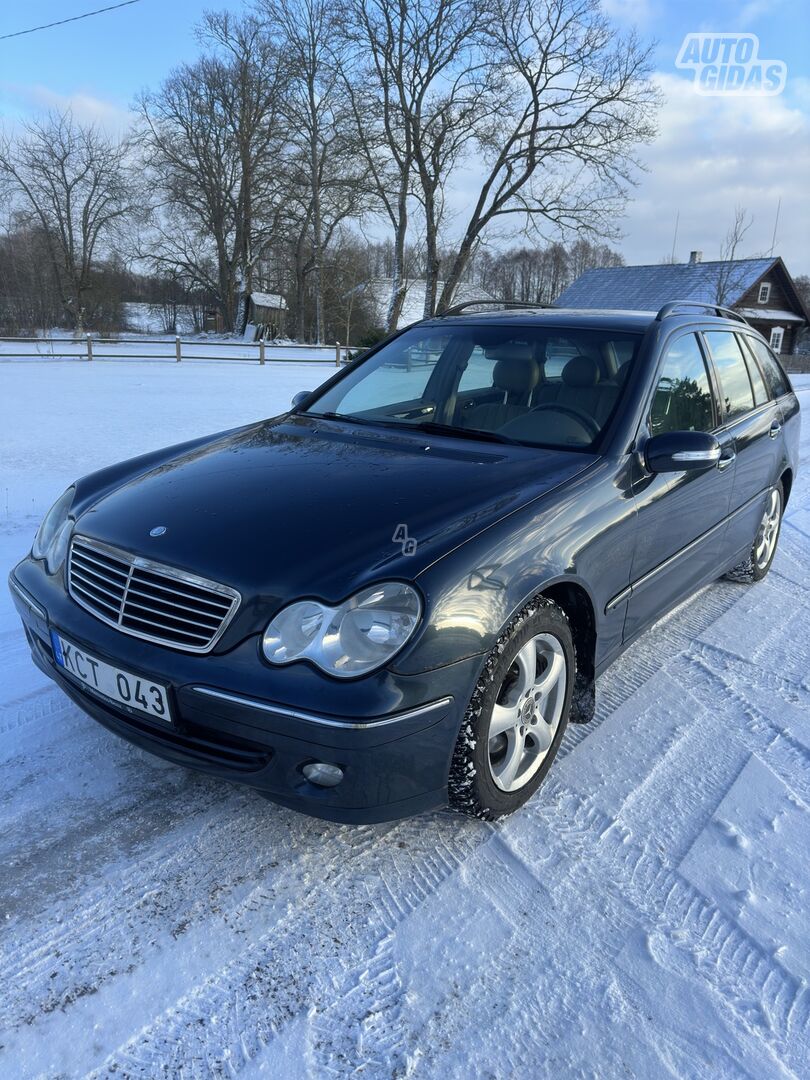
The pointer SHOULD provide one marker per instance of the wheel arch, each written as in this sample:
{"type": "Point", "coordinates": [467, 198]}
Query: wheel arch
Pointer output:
{"type": "Point", "coordinates": [787, 483]}
{"type": "Point", "coordinates": [576, 603]}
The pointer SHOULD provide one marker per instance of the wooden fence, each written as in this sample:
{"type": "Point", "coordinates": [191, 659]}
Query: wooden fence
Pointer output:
{"type": "Point", "coordinates": [176, 349]}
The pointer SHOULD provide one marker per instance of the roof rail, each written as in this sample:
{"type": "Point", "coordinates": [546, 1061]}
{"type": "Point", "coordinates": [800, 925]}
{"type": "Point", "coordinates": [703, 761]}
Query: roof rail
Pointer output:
{"type": "Point", "coordinates": [721, 312]}
{"type": "Point", "coordinates": [457, 309]}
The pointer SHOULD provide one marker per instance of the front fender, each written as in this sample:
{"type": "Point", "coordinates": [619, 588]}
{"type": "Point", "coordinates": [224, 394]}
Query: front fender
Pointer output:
{"type": "Point", "coordinates": [582, 534]}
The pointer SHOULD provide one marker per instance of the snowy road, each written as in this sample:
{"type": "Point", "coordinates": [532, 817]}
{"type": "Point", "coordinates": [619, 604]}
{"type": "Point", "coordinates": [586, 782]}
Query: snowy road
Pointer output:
{"type": "Point", "coordinates": [644, 916]}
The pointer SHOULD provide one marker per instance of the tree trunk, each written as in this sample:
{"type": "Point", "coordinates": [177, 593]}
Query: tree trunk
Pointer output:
{"type": "Point", "coordinates": [398, 284]}
{"type": "Point", "coordinates": [317, 225]}
{"type": "Point", "coordinates": [457, 271]}
{"type": "Point", "coordinates": [432, 266]}
{"type": "Point", "coordinates": [300, 289]}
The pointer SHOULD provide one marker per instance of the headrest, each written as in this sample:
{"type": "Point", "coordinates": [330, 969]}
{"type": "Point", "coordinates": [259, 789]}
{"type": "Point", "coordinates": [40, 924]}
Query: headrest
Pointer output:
{"type": "Point", "coordinates": [510, 350]}
{"type": "Point", "coordinates": [515, 375]}
{"type": "Point", "coordinates": [622, 372]}
{"type": "Point", "coordinates": [580, 371]}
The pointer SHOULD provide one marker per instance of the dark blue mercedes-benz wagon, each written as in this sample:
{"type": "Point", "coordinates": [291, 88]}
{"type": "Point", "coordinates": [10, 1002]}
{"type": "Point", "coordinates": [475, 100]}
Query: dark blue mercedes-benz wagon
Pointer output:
{"type": "Point", "coordinates": [396, 595]}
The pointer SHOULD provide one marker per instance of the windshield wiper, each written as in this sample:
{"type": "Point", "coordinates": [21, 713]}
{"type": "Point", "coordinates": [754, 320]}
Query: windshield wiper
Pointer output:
{"type": "Point", "coordinates": [346, 417]}
{"type": "Point", "coordinates": [425, 427]}
{"type": "Point", "coordinates": [463, 433]}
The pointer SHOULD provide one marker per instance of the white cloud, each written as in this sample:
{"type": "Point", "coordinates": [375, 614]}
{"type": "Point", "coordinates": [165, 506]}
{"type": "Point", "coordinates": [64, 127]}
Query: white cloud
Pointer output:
{"type": "Point", "coordinates": [635, 12]}
{"type": "Point", "coordinates": [711, 155]}
{"type": "Point", "coordinates": [754, 10]}
{"type": "Point", "coordinates": [22, 102]}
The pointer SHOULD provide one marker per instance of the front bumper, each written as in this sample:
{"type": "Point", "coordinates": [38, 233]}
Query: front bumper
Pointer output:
{"type": "Point", "coordinates": [395, 758]}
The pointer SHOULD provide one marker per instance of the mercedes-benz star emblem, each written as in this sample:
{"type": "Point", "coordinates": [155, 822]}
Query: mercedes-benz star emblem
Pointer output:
{"type": "Point", "coordinates": [158, 530]}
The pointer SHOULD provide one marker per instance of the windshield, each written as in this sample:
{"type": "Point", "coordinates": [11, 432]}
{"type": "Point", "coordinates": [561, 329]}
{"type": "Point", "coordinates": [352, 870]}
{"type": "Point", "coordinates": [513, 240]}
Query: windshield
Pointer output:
{"type": "Point", "coordinates": [541, 386]}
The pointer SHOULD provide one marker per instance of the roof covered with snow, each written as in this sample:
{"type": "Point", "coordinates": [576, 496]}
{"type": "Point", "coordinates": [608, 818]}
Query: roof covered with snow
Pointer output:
{"type": "Point", "coordinates": [770, 314]}
{"type": "Point", "coordinates": [268, 299]}
{"type": "Point", "coordinates": [647, 288]}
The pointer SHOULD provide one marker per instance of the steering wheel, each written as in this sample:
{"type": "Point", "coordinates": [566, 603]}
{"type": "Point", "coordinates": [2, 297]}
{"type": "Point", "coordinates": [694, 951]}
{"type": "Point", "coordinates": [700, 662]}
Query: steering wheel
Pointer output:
{"type": "Point", "coordinates": [582, 418]}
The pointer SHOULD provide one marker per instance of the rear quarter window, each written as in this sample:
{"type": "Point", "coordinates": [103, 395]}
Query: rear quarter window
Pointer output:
{"type": "Point", "coordinates": [775, 377]}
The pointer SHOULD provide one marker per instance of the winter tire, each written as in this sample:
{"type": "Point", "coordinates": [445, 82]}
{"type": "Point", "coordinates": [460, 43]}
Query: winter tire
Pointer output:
{"type": "Point", "coordinates": [517, 714]}
{"type": "Point", "coordinates": [758, 563]}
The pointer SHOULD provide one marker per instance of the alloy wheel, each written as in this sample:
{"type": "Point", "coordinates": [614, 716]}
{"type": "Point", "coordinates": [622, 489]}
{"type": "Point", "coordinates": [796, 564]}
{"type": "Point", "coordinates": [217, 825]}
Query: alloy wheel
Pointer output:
{"type": "Point", "coordinates": [768, 530]}
{"type": "Point", "coordinates": [527, 712]}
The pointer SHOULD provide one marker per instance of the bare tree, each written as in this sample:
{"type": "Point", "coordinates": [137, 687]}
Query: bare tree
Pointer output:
{"type": "Point", "coordinates": [730, 275]}
{"type": "Point", "coordinates": [575, 101]}
{"type": "Point", "coordinates": [215, 136]}
{"type": "Point", "coordinates": [433, 82]}
{"type": "Point", "coordinates": [384, 138]}
{"type": "Point", "coordinates": [73, 186]}
{"type": "Point", "coordinates": [325, 168]}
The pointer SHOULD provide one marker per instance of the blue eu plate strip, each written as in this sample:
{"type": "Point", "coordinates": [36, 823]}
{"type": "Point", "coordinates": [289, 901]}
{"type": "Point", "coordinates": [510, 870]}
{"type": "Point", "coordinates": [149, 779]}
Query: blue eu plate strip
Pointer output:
{"type": "Point", "coordinates": [57, 649]}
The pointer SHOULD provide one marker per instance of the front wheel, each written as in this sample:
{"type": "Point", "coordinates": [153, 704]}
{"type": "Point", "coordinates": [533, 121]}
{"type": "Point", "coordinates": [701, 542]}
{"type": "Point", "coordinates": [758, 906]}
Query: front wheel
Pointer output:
{"type": "Point", "coordinates": [759, 560]}
{"type": "Point", "coordinates": [517, 714]}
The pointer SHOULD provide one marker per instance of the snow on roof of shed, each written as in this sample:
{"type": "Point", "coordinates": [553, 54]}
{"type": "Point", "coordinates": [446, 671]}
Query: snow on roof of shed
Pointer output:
{"type": "Point", "coordinates": [647, 288]}
{"type": "Point", "coordinates": [268, 299]}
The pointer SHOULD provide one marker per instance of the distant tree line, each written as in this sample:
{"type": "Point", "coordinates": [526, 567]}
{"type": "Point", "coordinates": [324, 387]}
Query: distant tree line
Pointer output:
{"type": "Point", "coordinates": [450, 127]}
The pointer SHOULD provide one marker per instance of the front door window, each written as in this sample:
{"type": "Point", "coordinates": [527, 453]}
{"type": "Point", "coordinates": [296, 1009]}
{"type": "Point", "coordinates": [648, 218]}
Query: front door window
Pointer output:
{"type": "Point", "coordinates": [683, 397]}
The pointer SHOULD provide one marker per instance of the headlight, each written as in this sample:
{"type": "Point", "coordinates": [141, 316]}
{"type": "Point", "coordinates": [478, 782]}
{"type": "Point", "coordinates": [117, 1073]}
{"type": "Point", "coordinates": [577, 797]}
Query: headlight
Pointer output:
{"type": "Point", "coordinates": [352, 639]}
{"type": "Point", "coordinates": [53, 535]}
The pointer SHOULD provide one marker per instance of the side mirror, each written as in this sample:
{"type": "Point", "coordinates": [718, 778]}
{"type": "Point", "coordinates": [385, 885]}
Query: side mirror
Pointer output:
{"type": "Point", "coordinates": [680, 451]}
{"type": "Point", "coordinates": [300, 398]}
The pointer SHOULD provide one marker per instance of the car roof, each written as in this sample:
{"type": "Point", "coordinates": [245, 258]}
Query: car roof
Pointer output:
{"type": "Point", "coordinates": [586, 318]}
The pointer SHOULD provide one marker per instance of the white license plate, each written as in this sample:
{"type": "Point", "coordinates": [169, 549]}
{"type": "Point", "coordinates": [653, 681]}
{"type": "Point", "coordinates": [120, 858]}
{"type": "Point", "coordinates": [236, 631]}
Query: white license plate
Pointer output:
{"type": "Point", "coordinates": [113, 683]}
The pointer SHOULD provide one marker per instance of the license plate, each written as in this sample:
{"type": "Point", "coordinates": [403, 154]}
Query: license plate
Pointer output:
{"type": "Point", "coordinates": [113, 683]}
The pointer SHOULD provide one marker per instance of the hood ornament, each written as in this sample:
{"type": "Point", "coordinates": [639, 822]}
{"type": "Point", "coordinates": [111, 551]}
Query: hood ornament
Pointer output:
{"type": "Point", "coordinates": [159, 530]}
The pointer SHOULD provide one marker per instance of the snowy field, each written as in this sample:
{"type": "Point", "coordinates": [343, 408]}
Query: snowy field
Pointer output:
{"type": "Point", "coordinates": [646, 915]}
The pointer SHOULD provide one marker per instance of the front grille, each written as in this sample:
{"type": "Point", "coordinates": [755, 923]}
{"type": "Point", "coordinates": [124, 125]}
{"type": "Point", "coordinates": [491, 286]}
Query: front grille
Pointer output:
{"type": "Point", "coordinates": [148, 600]}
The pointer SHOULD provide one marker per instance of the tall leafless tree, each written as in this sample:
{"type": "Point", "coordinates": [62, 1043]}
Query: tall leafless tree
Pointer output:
{"type": "Point", "coordinates": [384, 139]}
{"type": "Point", "coordinates": [432, 81]}
{"type": "Point", "coordinates": [558, 150]}
{"type": "Point", "coordinates": [325, 168]}
{"type": "Point", "coordinates": [215, 136]}
{"type": "Point", "coordinates": [72, 186]}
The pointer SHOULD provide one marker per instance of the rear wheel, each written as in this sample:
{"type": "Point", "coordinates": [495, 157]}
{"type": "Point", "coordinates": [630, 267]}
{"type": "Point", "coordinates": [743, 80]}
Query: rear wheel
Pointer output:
{"type": "Point", "coordinates": [517, 714]}
{"type": "Point", "coordinates": [759, 560]}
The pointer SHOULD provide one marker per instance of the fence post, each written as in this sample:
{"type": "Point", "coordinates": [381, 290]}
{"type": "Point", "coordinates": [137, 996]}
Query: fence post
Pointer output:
{"type": "Point", "coordinates": [178, 356]}
{"type": "Point", "coordinates": [89, 347]}
{"type": "Point", "coordinates": [337, 354]}
{"type": "Point", "coordinates": [261, 350]}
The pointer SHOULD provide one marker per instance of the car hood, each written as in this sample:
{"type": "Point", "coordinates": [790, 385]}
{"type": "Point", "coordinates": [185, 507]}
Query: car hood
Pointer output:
{"type": "Point", "coordinates": [300, 506]}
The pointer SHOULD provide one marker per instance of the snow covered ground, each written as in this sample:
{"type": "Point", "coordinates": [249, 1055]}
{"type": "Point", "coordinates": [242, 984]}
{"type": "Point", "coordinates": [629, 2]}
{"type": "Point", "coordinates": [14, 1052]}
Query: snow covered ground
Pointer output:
{"type": "Point", "coordinates": [646, 915]}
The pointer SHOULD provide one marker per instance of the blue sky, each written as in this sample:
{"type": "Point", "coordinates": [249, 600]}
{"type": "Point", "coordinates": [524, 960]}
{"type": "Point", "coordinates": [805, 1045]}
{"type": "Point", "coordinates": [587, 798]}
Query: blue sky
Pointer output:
{"type": "Point", "coordinates": [712, 153]}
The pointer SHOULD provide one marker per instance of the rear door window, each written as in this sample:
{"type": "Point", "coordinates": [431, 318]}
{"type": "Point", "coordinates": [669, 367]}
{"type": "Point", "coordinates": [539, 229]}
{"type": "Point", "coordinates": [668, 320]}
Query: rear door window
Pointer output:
{"type": "Point", "coordinates": [683, 398]}
{"type": "Point", "coordinates": [761, 393]}
{"type": "Point", "coordinates": [735, 386]}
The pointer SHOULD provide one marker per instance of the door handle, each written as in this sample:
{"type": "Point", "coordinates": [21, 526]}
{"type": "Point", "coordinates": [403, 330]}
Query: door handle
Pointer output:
{"type": "Point", "coordinates": [776, 427]}
{"type": "Point", "coordinates": [727, 459]}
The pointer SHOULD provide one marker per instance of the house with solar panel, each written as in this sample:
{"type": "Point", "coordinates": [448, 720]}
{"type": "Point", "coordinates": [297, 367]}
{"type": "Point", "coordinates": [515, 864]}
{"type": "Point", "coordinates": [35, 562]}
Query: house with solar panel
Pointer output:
{"type": "Point", "coordinates": [761, 290]}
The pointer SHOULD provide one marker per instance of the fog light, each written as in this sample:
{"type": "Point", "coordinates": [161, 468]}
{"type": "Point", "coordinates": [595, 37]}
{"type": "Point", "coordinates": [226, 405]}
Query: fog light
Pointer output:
{"type": "Point", "coordinates": [318, 772]}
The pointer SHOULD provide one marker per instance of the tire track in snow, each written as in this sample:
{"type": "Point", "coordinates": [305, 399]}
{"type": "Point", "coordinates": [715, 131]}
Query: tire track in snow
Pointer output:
{"type": "Point", "coordinates": [34, 707]}
{"type": "Point", "coordinates": [214, 852]}
{"type": "Point", "coordinates": [640, 886]}
{"type": "Point", "coordinates": [789, 758]}
{"type": "Point", "coordinates": [776, 1002]}
{"type": "Point", "coordinates": [228, 1019]}
{"type": "Point", "coordinates": [662, 643]}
